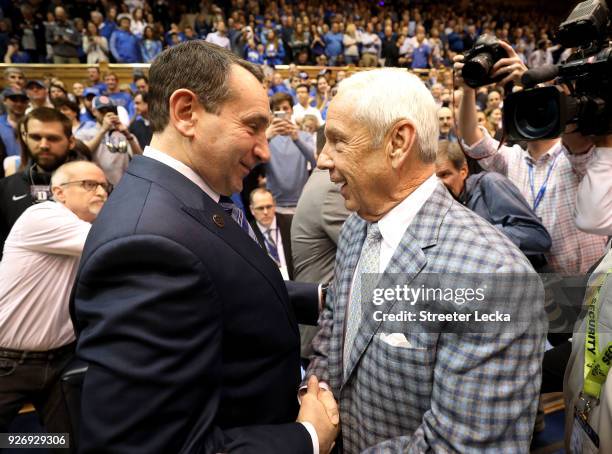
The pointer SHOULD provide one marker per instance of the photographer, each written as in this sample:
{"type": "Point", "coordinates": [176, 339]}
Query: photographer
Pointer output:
{"type": "Point", "coordinates": [291, 150]}
{"type": "Point", "coordinates": [111, 143]}
{"type": "Point", "coordinates": [545, 173]}
{"type": "Point", "coordinates": [593, 215]}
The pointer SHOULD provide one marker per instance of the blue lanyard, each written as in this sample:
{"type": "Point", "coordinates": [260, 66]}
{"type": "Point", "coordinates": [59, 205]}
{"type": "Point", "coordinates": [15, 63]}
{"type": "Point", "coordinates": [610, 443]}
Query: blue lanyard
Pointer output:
{"type": "Point", "coordinates": [537, 199]}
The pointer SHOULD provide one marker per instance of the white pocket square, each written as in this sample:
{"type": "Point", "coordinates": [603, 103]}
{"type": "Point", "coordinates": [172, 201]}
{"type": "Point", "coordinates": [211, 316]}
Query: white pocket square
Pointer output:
{"type": "Point", "coordinates": [395, 340]}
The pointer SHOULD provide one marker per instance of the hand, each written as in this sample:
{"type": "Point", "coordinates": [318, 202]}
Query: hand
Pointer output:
{"type": "Point", "coordinates": [320, 409]}
{"type": "Point", "coordinates": [109, 121]}
{"type": "Point", "coordinates": [291, 130]}
{"type": "Point", "coordinates": [458, 67]}
{"type": "Point", "coordinates": [276, 128]}
{"type": "Point", "coordinates": [511, 67]}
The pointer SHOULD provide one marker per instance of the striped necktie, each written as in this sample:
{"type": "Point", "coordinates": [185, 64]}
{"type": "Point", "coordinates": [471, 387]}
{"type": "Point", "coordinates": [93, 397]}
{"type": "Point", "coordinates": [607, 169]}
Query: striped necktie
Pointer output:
{"type": "Point", "coordinates": [237, 215]}
{"type": "Point", "coordinates": [272, 246]}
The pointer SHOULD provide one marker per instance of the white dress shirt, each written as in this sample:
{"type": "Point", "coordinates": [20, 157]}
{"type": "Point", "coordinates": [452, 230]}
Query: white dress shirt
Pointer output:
{"type": "Point", "coordinates": [594, 199]}
{"type": "Point", "coordinates": [278, 239]}
{"type": "Point", "coordinates": [41, 257]}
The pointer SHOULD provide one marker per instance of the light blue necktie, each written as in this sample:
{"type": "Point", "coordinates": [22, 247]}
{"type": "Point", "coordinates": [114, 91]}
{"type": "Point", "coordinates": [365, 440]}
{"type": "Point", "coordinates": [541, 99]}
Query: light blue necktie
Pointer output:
{"type": "Point", "coordinates": [369, 263]}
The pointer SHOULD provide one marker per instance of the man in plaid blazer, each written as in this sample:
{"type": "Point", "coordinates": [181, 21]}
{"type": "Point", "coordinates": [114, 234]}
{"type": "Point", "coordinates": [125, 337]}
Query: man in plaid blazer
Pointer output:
{"type": "Point", "coordinates": [417, 390]}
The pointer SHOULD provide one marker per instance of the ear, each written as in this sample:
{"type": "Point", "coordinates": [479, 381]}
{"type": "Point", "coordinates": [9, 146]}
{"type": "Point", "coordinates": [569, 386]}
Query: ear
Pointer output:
{"type": "Point", "coordinates": [184, 111]}
{"type": "Point", "coordinates": [71, 142]}
{"type": "Point", "coordinates": [400, 142]}
{"type": "Point", "coordinates": [464, 171]}
{"type": "Point", "coordinates": [58, 194]}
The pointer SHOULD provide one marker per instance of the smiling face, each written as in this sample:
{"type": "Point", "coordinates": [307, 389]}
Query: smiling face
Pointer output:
{"type": "Point", "coordinates": [352, 161]}
{"type": "Point", "coordinates": [229, 144]}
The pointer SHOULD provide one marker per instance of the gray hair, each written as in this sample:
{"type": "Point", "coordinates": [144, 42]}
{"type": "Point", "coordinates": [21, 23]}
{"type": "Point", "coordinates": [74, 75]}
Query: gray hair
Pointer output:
{"type": "Point", "coordinates": [384, 96]}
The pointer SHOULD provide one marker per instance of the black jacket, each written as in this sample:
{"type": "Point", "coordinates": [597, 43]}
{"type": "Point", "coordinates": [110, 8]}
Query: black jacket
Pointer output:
{"type": "Point", "coordinates": [15, 197]}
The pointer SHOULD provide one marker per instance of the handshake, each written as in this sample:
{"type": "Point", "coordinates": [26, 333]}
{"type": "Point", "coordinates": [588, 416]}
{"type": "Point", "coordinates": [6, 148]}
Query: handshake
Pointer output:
{"type": "Point", "coordinates": [320, 409]}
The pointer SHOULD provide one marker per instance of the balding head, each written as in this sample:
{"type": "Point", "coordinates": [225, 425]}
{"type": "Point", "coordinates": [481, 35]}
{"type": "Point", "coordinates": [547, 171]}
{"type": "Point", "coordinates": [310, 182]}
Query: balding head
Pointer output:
{"type": "Point", "coordinates": [81, 187]}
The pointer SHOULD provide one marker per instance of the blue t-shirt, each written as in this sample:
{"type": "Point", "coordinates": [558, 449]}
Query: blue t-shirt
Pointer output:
{"type": "Point", "coordinates": [420, 56]}
{"type": "Point", "coordinates": [333, 44]}
{"type": "Point", "coordinates": [123, 99]}
{"type": "Point", "coordinates": [7, 134]}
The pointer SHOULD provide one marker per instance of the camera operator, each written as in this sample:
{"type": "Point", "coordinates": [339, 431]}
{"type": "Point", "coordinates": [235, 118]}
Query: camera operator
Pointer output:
{"type": "Point", "coordinates": [545, 173]}
{"type": "Point", "coordinates": [111, 143]}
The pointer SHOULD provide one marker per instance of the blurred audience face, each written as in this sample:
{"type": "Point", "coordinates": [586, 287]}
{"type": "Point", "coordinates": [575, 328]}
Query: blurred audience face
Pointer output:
{"type": "Point", "coordinates": [142, 108]}
{"type": "Point", "coordinates": [495, 117]}
{"type": "Point", "coordinates": [77, 89]}
{"type": "Point", "coordinates": [142, 86]}
{"type": "Point", "coordinates": [36, 93]}
{"type": "Point", "coordinates": [481, 118]}
{"type": "Point", "coordinates": [302, 96]}
{"type": "Point", "coordinates": [56, 93]}
{"type": "Point", "coordinates": [94, 75]}
{"type": "Point", "coordinates": [493, 100]}
{"type": "Point", "coordinates": [445, 118]}
{"type": "Point", "coordinates": [47, 143]}
{"type": "Point", "coordinates": [69, 113]}
{"type": "Point", "coordinates": [82, 190]}
{"type": "Point", "coordinates": [310, 124]}
{"type": "Point", "coordinates": [453, 179]}
{"type": "Point", "coordinates": [263, 208]}
{"type": "Point", "coordinates": [15, 78]}
{"type": "Point", "coordinates": [111, 82]}
{"type": "Point", "coordinates": [16, 105]}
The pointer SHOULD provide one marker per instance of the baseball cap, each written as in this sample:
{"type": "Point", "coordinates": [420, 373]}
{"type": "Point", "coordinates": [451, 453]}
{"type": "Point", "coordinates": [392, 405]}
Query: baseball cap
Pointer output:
{"type": "Point", "coordinates": [40, 83]}
{"type": "Point", "coordinates": [124, 16]}
{"type": "Point", "coordinates": [91, 91]}
{"type": "Point", "coordinates": [16, 92]}
{"type": "Point", "coordinates": [102, 102]}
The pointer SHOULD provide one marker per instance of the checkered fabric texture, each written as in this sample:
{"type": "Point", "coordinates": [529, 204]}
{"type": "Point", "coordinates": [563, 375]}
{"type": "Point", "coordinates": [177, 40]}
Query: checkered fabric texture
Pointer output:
{"type": "Point", "coordinates": [447, 392]}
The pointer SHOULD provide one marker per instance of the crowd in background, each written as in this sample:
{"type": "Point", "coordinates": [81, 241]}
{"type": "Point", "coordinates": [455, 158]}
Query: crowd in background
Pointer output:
{"type": "Point", "coordinates": [407, 34]}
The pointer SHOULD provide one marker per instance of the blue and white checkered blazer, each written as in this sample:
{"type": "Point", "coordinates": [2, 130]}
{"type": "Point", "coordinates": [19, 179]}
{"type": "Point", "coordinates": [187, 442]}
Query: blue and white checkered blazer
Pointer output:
{"type": "Point", "coordinates": [447, 392]}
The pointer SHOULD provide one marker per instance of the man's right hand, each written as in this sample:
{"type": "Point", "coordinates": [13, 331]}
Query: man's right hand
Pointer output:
{"type": "Point", "coordinates": [320, 409]}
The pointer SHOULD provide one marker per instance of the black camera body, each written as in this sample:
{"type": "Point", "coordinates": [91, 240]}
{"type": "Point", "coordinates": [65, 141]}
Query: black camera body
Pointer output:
{"type": "Point", "coordinates": [479, 61]}
{"type": "Point", "coordinates": [543, 113]}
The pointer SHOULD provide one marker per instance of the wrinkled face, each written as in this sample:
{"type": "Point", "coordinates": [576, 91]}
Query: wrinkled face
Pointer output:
{"type": "Point", "coordinates": [77, 89]}
{"type": "Point", "coordinates": [352, 161]}
{"type": "Point", "coordinates": [111, 82]}
{"type": "Point", "coordinates": [47, 143]}
{"type": "Point", "coordinates": [263, 208]}
{"type": "Point", "coordinates": [78, 197]}
{"type": "Point", "coordinates": [16, 105]}
{"type": "Point", "coordinates": [452, 178]}
{"type": "Point", "coordinates": [302, 95]}
{"type": "Point", "coordinates": [229, 144]}
{"type": "Point", "coordinates": [16, 79]}
{"type": "Point", "coordinates": [445, 118]}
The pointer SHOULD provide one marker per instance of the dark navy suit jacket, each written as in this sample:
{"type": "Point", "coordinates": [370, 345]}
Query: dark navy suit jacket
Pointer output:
{"type": "Point", "coordinates": [189, 331]}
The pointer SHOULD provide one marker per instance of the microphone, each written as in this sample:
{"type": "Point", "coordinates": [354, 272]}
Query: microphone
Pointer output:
{"type": "Point", "coordinates": [535, 76]}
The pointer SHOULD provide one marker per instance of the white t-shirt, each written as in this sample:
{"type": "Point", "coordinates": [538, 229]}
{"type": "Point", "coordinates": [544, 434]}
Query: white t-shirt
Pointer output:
{"type": "Point", "coordinates": [37, 271]}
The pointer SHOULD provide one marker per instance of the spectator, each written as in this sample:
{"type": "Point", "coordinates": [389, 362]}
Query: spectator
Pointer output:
{"type": "Point", "coordinates": [141, 127]}
{"type": "Point", "coordinates": [48, 139]}
{"type": "Point", "coordinates": [446, 124]}
{"type": "Point", "coordinates": [494, 119]}
{"type": "Point", "coordinates": [351, 43]}
{"type": "Point", "coordinates": [64, 38]}
{"type": "Point", "coordinates": [86, 112]}
{"type": "Point", "coordinates": [150, 46]}
{"type": "Point", "coordinates": [300, 39]}
{"type": "Point", "coordinates": [138, 23]}
{"type": "Point", "coordinates": [494, 198]}
{"type": "Point", "coordinates": [303, 107]}
{"type": "Point", "coordinates": [291, 151]}
{"type": "Point", "coordinates": [141, 83]}
{"type": "Point", "coordinates": [108, 27]}
{"type": "Point", "coordinates": [123, 44]}
{"type": "Point", "coordinates": [15, 103]}
{"type": "Point", "coordinates": [277, 84]}
{"type": "Point", "coordinates": [317, 46]}
{"type": "Point", "coordinates": [254, 53]}
{"type": "Point", "coordinates": [77, 90]}
{"type": "Point", "coordinates": [56, 92]}
{"type": "Point", "coordinates": [31, 34]}
{"type": "Point", "coordinates": [40, 261]}
{"type": "Point", "coordinates": [71, 110]}
{"type": "Point", "coordinates": [371, 47]}
{"type": "Point", "coordinates": [14, 54]}
{"type": "Point", "coordinates": [219, 37]}
{"type": "Point", "coordinates": [95, 45]}
{"type": "Point", "coordinates": [189, 34]}
{"type": "Point", "coordinates": [14, 78]}
{"type": "Point", "coordinates": [120, 98]}
{"type": "Point", "coordinates": [333, 44]}
{"type": "Point", "coordinates": [389, 50]}
{"type": "Point", "coordinates": [273, 229]}
{"type": "Point", "coordinates": [94, 76]}
{"type": "Point", "coordinates": [322, 96]}
{"type": "Point", "coordinates": [38, 94]}
{"type": "Point", "coordinates": [275, 51]}
{"type": "Point", "coordinates": [421, 52]}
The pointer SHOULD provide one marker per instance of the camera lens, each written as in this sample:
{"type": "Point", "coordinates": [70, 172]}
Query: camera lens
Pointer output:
{"type": "Point", "coordinates": [475, 72]}
{"type": "Point", "coordinates": [537, 117]}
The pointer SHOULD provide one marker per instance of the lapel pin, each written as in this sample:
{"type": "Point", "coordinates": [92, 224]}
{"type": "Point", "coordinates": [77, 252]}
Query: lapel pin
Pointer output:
{"type": "Point", "coordinates": [218, 220]}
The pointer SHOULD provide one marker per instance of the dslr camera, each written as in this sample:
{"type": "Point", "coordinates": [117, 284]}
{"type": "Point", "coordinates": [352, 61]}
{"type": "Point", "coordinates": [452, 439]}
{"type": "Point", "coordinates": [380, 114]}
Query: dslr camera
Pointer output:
{"type": "Point", "coordinates": [544, 112]}
{"type": "Point", "coordinates": [479, 61]}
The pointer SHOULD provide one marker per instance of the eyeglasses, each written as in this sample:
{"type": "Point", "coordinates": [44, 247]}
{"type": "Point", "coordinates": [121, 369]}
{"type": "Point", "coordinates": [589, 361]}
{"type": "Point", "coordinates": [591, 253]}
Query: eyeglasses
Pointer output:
{"type": "Point", "coordinates": [91, 185]}
{"type": "Point", "coordinates": [262, 208]}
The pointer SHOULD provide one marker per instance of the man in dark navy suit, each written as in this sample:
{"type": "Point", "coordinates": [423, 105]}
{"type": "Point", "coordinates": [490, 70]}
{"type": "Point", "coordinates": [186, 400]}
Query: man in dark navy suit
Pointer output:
{"type": "Point", "coordinates": [190, 333]}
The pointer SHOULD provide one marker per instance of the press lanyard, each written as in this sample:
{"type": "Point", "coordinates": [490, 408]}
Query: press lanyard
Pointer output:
{"type": "Point", "coordinates": [596, 363]}
{"type": "Point", "coordinates": [537, 199]}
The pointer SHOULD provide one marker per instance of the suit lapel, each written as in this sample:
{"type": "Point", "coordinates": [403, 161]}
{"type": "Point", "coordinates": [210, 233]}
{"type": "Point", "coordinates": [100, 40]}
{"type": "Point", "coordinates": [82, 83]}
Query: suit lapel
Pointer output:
{"type": "Point", "coordinates": [407, 262]}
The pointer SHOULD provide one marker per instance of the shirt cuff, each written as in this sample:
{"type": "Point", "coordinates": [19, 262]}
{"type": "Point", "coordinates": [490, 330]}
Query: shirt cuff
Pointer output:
{"type": "Point", "coordinates": [313, 435]}
{"type": "Point", "coordinates": [322, 384]}
{"type": "Point", "coordinates": [481, 149]}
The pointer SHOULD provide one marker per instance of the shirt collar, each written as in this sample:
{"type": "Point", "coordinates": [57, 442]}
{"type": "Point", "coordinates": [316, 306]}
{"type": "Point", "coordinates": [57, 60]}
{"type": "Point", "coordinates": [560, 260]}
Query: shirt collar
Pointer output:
{"type": "Point", "coordinates": [181, 168]}
{"type": "Point", "coordinates": [546, 157]}
{"type": "Point", "coordinates": [393, 225]}
{"type": "Point", "coordinates": [272, 226]}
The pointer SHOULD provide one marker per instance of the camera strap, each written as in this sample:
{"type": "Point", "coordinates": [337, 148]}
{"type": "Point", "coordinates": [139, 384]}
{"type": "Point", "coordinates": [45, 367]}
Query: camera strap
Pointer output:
{"type": "Point", "coordinates": [538, 198]}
